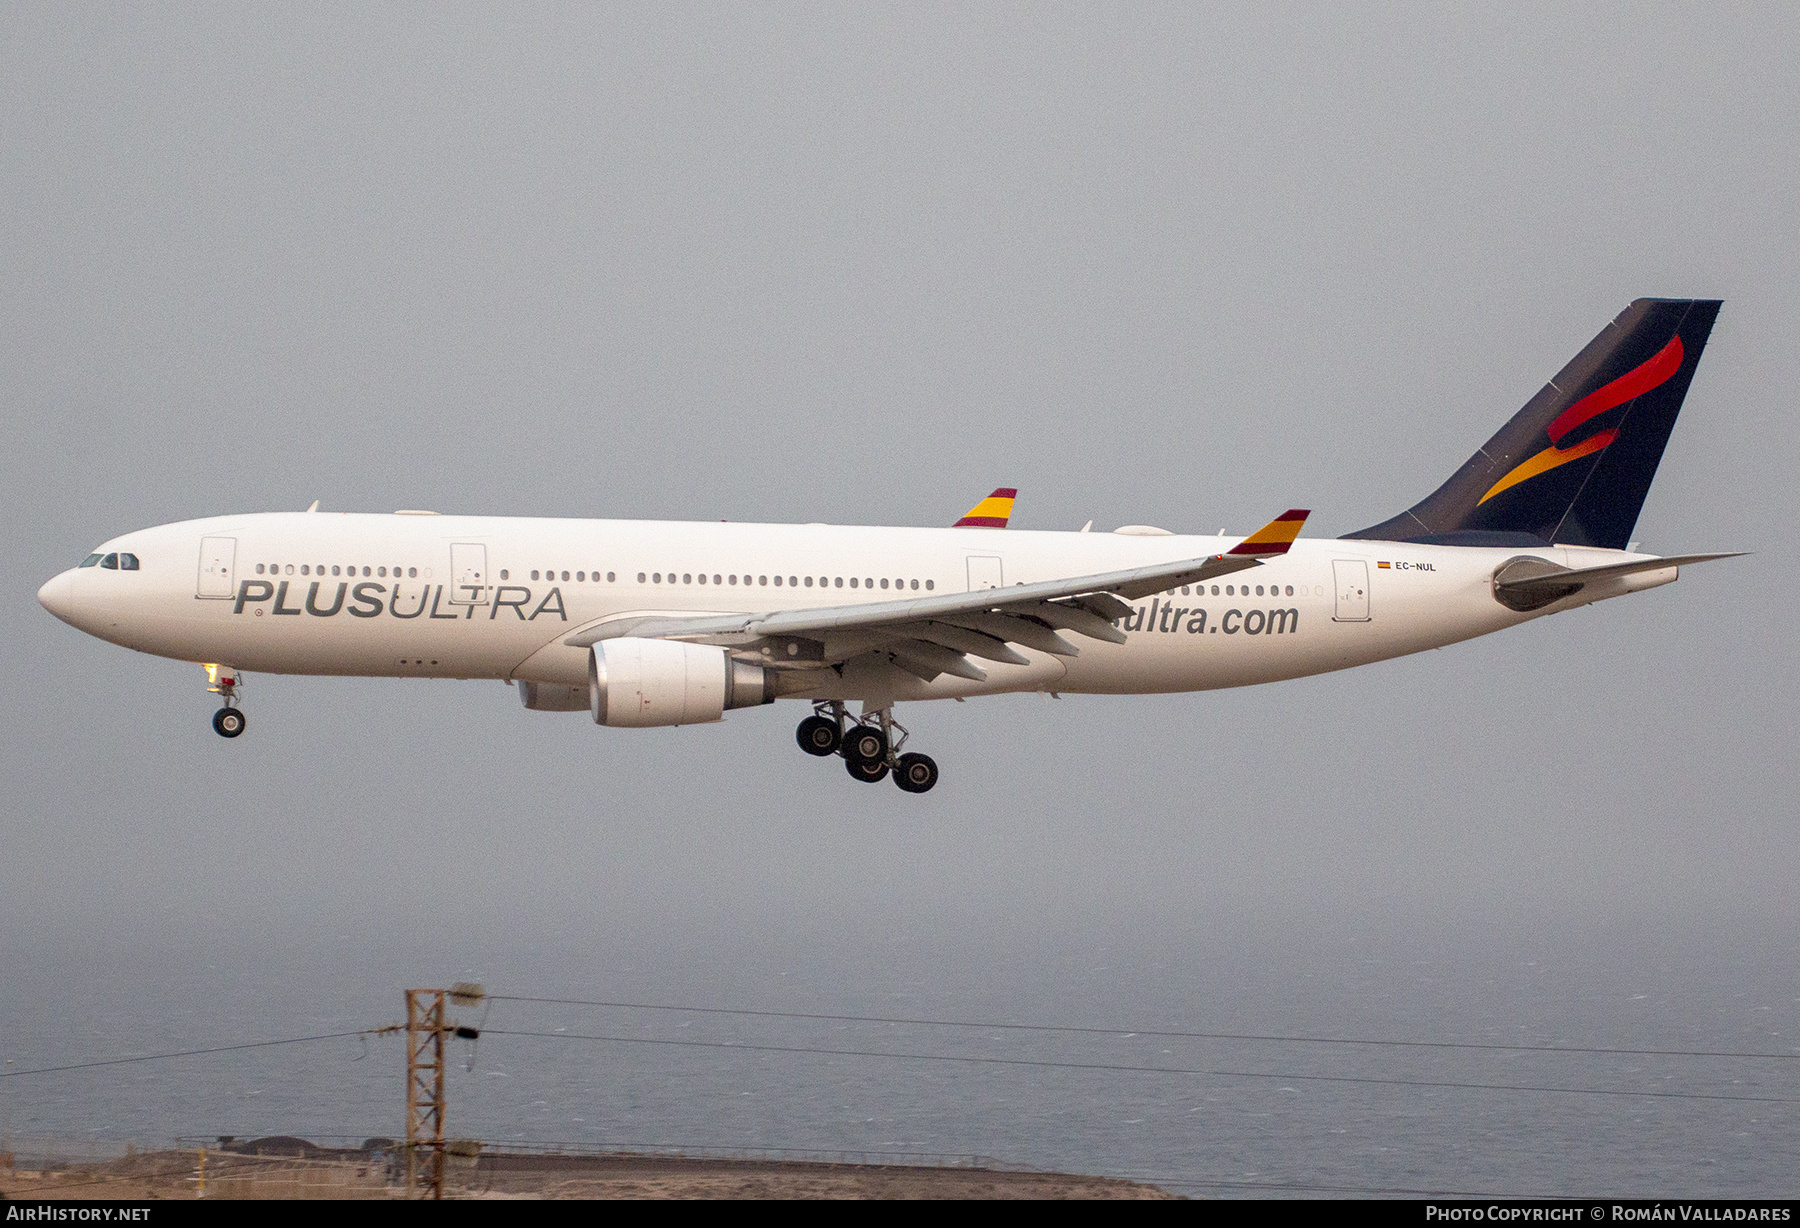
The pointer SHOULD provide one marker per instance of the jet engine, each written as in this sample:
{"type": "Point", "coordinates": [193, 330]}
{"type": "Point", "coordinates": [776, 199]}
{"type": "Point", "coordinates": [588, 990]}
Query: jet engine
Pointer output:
{"type": "Point", "coordinates": [639, 683]}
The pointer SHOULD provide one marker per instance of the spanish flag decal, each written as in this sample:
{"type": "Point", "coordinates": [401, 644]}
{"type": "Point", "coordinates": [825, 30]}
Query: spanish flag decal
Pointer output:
{"type": "Point", "coordinates": [1274, 537]}
{"type": "Point", "coordinates": [992, 512]}
{"type": "Point", "coordinates": [1634, 383]}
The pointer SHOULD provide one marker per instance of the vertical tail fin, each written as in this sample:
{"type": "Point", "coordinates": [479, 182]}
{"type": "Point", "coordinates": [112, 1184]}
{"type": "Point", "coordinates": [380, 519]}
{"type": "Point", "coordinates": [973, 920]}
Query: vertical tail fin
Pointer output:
{"type": "Point", "coordinates": [1573, 466]}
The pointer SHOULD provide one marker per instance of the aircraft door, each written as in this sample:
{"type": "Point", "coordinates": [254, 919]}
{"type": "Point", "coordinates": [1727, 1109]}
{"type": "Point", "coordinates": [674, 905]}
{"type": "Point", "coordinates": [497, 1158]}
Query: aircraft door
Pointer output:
{"type": "Point", "coordinates": [218, 567]}
{"type": "Point", "coordinates": [984, 572]}
{"type": "Point", "coordinates": [1352, 576]}
{"type": "Point", "coordinates": [468, 573]}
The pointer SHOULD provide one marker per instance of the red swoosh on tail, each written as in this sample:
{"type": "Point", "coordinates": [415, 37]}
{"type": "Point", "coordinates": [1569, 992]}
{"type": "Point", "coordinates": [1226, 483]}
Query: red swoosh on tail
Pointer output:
{"type": "Point", "coordinates": [1634, 383]}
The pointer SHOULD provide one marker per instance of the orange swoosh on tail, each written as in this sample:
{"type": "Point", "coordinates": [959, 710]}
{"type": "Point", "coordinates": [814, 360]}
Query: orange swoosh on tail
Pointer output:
{"type": "Point", "coordinates": [1549, 459]}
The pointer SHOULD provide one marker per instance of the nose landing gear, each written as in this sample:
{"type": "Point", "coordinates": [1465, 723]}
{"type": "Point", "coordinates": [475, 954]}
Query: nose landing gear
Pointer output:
{"type": "Point", "coordinates": [223, 681]}
{"type": "Point", "coordinates": [869, 748]}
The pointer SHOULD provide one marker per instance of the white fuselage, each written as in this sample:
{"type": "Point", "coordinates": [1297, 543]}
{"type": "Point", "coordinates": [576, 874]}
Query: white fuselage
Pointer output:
{"type": "Point", "coordinates": [414, 595]}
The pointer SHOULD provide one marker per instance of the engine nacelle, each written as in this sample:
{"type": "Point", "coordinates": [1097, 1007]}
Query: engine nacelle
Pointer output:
{"type": "Point", "coordinates": [639, 683]}
{"type": "Point", "coordinates": [552, 697]}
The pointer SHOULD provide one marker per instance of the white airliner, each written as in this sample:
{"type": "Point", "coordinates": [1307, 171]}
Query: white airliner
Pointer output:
{"type": "Point", "coordinates": [645, 623]}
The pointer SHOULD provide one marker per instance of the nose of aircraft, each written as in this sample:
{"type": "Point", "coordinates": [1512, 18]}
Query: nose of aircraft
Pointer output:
{"type": "Point", "coordinates": [58, 596]}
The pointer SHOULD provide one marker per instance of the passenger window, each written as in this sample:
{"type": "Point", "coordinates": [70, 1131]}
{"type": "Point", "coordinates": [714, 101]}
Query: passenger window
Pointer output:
{"type": "Point", "coordinates": [640, 577]}
{"type": "Point", "coordinates": [809, 582]}
{"type": "Point", "coordinates": [90, 561]}
{"type": "Point", "coordinates": [565, 575]}
{"type": "Point", "coordinates": [793, 581]}
{"type": "Point", "coordinates": [1259, 589]}
{"type": "Point", "coordinates": [1215, 590]}
{"type": "Point", "coordinates": [128, 562]}
{"type": "Point", "coordinates": [609, 577]}
{"type": "Point", "coordinates": [1290, 590]}
{"type": "Point", "coordinates": [534, 575]}
{"type": "Point", "coordinates": [410, 571]}
{"type": "Point", "coordinates": [303, 569]}
{"type": "Point", "coordinates": [259, 569]}
{"type": "Point", "coordinates": [688, 579]}
{"type": "Point", "coordinates": [504, 574]}
{"type": "Point", "coordinates": [703, 577]}
{"type": "Point", "coordinates": [839, 583]}
{"type": "Point", "coordinates": [884, 582]}
{"type": "Point", "coordinates": [290, 569]}
{"type": "Point", "coordinates": [734, 578]}
{"type": "Point", "coordinates": [852, 580]}
{"type": "Point", "coordinates": [915, 584]}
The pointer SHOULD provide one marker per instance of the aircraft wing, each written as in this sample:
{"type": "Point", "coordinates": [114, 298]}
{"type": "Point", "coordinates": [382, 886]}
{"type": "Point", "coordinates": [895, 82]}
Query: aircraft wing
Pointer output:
{"type": "Point", "coordinates": [938, 634]}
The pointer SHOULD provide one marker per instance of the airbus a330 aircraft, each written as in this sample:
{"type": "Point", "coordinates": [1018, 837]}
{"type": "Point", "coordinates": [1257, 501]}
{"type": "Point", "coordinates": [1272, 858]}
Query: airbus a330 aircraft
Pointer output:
{"type": "Point", "coordinates": [646, 623]}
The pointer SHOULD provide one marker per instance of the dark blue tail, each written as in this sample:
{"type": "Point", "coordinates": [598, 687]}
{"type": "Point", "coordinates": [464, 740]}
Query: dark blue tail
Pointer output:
{"type": "Point", "coordinates": [1572, 468]}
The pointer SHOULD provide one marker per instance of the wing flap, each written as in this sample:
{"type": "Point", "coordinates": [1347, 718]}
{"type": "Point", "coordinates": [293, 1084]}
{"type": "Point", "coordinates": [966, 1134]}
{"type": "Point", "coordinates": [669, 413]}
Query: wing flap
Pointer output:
{"type": "Point", "coordinates": [1073, 618]}
{"type": "Point", "coordinates": [960, 639]}
{"type": "Point", "coordinates": [937, 657]}
{"type": "Point", "coordinates": [1016, 630]}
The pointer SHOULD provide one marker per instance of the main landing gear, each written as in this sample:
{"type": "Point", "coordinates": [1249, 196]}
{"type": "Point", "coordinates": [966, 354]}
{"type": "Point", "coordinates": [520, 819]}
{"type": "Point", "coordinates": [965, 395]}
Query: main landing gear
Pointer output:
{"type": "Point", "coordinates": [869, 748]}
{"type": "Point", "coordinates": [224, 681]}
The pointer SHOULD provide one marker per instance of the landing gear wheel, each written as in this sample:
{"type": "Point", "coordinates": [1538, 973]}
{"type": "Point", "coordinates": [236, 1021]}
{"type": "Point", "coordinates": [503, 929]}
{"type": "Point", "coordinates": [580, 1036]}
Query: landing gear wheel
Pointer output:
{"type": "Point", "coordinates": [866, 770]}
{"type": "Point", "coordinates": [818, 736]}
{"type": "Point", "coordinates": [228, 722]}
{"type": "Point", "coordinates": [866, 744]}
{"type": "Point", "coordinates": [916, 773]}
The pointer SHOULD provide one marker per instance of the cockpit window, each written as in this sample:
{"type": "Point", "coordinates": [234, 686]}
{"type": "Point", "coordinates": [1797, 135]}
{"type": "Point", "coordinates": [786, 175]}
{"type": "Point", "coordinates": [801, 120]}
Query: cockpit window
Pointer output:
{"type": "Point", "coordinates": [128, 562]}
{"type": "Point", "coordinates": [90, 560]}
{"type": "Point", "coordinates": [110, 562]}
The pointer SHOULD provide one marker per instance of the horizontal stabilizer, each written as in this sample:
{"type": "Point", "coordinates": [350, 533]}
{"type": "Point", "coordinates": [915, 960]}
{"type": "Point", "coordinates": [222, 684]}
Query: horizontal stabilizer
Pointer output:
{"type": "Point", "coordinates": [1530, 584]}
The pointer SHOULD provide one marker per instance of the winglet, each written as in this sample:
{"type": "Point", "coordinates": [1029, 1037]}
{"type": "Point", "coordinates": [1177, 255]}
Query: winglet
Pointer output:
{"type": "Point", "coordinates": [992, 512]}
{"type": "Point", "coordinates": [1274, 537]}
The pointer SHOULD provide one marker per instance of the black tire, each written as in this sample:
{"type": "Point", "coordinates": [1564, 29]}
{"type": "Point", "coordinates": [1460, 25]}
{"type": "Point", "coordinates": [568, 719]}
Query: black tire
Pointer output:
{"type": "Point", "coordinates": [867, 771]}
{"type": "Point", "coordinates": [228, 722]}
{"type": "Point", "coordinates": [818, 735]}
{"type": "Point", "coordinates": [916, 773]}
{"type": "Point", "coordinates": [867, 744]}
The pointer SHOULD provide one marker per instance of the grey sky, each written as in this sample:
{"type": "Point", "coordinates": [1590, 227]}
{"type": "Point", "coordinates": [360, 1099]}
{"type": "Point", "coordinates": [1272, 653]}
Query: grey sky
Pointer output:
{"type": "Point", "coordinates": [1177, 265]}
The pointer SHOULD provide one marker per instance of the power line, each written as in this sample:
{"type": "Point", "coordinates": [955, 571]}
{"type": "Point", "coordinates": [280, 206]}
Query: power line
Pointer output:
{"type": "Point", "coordinates": [1043, 1027]}
{"type": "Point", "coordinates": [157, 1057]}
{"type": "Point", "coordinates": [1119, 1066]}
